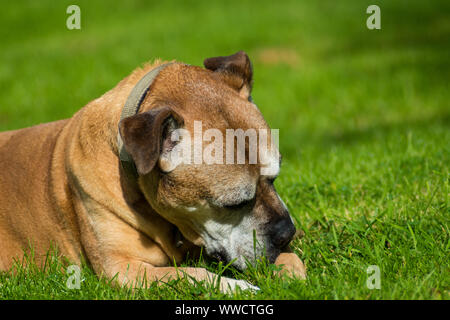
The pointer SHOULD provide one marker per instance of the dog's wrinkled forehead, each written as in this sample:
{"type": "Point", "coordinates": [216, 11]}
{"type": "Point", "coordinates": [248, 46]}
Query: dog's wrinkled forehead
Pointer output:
{"type": "Point", "coordinates": [219, 97]}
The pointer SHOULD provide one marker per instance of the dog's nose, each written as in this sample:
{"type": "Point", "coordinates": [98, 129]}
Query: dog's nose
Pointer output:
{"type": "Point", "coordinates": [282, 232]}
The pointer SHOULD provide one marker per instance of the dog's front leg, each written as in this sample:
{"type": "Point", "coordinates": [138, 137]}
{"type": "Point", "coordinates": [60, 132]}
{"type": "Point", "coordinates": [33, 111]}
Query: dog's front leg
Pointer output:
{"type": "Point", "coordinates": [133, 275]}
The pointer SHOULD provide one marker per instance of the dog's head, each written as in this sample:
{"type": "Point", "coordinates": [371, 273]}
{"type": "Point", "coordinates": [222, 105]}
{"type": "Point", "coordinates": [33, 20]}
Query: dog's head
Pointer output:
{"type": "Point", "coordinates": [192, 168]}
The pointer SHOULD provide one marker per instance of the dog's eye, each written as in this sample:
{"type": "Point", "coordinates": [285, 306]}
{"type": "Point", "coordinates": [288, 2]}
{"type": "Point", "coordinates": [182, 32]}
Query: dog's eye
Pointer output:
{"type": "Point", "coordinates": [238, 206]}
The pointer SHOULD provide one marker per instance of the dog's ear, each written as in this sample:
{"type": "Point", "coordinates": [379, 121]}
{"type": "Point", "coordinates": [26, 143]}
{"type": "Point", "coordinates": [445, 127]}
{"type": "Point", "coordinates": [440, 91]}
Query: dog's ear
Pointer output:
{"type": "Point", "coordinates": [146, 135]}
{"type": "Point", "coordinates": [238, 71]}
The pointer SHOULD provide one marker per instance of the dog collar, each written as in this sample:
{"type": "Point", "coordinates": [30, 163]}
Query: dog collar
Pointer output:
{"type": "Point", "coordinates": [131, 107]}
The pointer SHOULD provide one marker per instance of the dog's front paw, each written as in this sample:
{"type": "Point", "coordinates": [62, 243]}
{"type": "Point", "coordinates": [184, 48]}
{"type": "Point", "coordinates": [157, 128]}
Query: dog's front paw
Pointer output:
{"type": "Point", "coordinates": [291, 265]}
{"type": "Point", "coordinates": [228, 285]}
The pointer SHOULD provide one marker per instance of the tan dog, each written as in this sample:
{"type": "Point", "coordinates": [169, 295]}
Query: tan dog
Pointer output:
{"type": "Point", "coordinates": [63, 183]}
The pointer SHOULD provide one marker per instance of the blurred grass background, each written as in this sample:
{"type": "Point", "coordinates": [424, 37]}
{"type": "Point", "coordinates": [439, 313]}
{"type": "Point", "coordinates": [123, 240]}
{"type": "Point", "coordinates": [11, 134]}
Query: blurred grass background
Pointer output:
{"type": "Point", "coordinates": [363, 114]}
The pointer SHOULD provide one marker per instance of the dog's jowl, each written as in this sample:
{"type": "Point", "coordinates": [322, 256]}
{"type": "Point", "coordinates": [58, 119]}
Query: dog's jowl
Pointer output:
{"type": "Point", "coordinates": [108, 186]}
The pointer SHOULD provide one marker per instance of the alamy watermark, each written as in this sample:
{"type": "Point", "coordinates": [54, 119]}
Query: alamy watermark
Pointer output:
{"type": "Point", "coordinates": [213, 146]}
{"type": "Point", "coordinates": [373, 277]}
{"type": "Point", "coordinates": [374, 20]}
{"type": "Point", "coordinates": [74, 279]}
{"type": "Point", "coordinates": [74, 20]}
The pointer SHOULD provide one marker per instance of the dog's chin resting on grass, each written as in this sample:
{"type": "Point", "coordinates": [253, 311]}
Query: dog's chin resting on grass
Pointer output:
{"type": "Point", "coordinates": [65, 182]}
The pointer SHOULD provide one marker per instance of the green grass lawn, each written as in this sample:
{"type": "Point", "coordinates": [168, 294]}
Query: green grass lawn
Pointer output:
{"type": "Point", "coordinates": [363, 118]}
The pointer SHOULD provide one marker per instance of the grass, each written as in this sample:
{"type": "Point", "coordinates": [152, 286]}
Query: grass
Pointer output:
{"type": "Point", "coordinates": [363, 118]}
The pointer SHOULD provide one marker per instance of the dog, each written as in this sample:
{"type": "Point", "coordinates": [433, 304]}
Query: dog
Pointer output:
{"type": "Point", "coordinates": [103, 185]}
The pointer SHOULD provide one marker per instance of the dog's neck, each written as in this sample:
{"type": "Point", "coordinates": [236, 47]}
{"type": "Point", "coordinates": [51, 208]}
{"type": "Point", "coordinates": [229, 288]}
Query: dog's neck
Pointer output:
{"type": "Point", "coordinates": [131, 108]}
{"type": "Point", "coordinates": [129, 203]}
